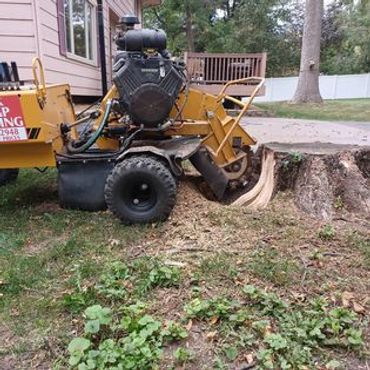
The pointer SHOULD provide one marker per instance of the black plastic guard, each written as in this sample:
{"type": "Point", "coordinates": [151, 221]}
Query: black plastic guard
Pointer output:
{"type": "Point", "coordinates": [211, 173]}
{"type": "Point", "coordinates": [81, 181]}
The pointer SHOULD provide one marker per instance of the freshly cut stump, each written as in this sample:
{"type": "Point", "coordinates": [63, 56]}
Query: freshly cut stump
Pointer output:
{"type": "Point", "coordinates": [326, 179]}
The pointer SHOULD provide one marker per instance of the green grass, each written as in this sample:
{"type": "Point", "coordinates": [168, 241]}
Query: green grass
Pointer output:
{"type": "Point", "coordinates": [41, 246]}
{"type": "Point", "coordinates": [267, 264]}
{"type": "Point", "coordinates": [55, 264]}
{"type": "Point", "coordinates": [331, 110]}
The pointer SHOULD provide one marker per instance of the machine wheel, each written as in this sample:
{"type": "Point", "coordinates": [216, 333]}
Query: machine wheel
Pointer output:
{"type": "Point", "coordinates": [8, 176]}
{"type": "Point", "coordinates": [140, 190]}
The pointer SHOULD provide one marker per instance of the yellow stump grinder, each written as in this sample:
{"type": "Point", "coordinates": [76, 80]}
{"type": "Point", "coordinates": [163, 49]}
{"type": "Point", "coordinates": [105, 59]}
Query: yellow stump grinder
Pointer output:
{"type": "Point", "coordinates": [126, 152]}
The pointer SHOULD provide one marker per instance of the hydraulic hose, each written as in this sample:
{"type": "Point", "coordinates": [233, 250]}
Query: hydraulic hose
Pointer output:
{"type": "Point", "coordinates": [95, 136]}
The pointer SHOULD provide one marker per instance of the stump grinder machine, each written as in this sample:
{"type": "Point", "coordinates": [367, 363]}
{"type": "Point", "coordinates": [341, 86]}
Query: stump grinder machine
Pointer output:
{"type": "Point", "coordinates": [126, 152]}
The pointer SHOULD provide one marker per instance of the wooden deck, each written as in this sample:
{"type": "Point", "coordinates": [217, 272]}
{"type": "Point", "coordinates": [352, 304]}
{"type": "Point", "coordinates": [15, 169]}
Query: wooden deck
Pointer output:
{"type": "Point", "coordinates": [210, 71]}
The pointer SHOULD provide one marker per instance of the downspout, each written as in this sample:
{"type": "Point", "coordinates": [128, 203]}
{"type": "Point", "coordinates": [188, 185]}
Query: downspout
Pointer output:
{"type": "Point", "coordinates": [103, 60]}
{"type": "Point", "coordinates": [37, 34]}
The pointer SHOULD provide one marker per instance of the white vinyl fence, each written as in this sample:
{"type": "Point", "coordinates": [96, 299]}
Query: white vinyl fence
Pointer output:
{"type": "Point", "coordinates": [331, 87]}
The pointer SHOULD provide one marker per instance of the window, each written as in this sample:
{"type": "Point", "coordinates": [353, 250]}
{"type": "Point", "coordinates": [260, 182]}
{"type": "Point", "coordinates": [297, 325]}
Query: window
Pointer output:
{"type": "Point", "coordinates": [80, 28]}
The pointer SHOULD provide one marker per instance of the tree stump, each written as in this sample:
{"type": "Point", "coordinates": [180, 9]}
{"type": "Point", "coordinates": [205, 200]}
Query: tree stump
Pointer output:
{"type": "Point", "coordinates": [325, 179]}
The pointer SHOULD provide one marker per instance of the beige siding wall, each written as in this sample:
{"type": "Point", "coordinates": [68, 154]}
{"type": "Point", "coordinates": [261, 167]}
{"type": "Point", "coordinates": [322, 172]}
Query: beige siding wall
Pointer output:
{"type": "Point", "coordinates": [30, 27]}
{"type": "Point", "coordinates": [17, 34]}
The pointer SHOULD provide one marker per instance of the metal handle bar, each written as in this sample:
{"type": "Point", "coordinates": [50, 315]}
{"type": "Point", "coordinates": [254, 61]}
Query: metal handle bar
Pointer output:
{"type": "Point", "coordinates": [41, 91]}
{"type": "Point", "coordinates": [244, 106]}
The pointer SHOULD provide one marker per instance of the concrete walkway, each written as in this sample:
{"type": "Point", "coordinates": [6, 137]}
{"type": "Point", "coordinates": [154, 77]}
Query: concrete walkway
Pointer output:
{"type": "Point", "coordinates": [310, 133]}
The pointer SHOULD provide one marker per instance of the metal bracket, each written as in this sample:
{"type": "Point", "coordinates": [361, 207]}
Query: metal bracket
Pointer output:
{"type": "Point", "coordinates": [173, 151]}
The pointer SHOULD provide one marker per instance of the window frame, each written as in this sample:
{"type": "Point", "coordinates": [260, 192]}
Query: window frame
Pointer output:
{"type": "Point", "coordinates": [94, 48]}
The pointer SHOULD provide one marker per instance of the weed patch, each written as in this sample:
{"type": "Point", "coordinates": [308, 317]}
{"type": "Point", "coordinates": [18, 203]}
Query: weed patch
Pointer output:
{"type": "Point", "coordinates": [123, 280]}
{"type": "Point", "coordinates": [183, 356]}
{"type": "Point", "coordinates": [130, 339]}
{"type": "Point", "coordinates": [327, 233]}
{"type": "Point", "coordinates": [120, 281]}
{"type": "Point", "coordinates": [124, 336]}
{"type": "Point", "coordinates": [288, 336]}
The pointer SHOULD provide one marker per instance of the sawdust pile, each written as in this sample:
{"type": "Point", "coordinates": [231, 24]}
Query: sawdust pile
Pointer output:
{"type": "Point", "coordinates": [198, 227]}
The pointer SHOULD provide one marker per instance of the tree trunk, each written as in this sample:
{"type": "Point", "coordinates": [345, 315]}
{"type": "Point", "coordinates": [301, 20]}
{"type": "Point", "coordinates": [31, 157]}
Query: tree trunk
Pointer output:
{"type": "Point", "coordinates": [189, 26]}
{"type": "Point", "coordinates": [308, 90]}
{"type": "Point", "coordinates": [326, 181]}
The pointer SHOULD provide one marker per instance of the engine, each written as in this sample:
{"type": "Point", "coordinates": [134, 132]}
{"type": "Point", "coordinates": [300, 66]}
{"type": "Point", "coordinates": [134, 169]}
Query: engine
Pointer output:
{"type": "Point", "coordinates": [148, 81]}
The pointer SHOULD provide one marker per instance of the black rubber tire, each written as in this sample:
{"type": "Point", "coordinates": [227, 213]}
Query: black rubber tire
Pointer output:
{"type": "Point", "coordinates": [126, 198]}
{"type": "Point", "coordinates": [8, 176]}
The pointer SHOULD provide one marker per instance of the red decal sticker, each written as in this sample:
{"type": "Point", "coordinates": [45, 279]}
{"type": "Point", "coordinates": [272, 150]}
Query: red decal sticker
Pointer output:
{"type": "Point", "coordinates": [12, 126]}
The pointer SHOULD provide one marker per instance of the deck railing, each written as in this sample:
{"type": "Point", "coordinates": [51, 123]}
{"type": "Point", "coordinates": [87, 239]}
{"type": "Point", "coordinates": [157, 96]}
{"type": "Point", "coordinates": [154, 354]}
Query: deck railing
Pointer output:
{"type": "Point", "coordinates": [209, 71]}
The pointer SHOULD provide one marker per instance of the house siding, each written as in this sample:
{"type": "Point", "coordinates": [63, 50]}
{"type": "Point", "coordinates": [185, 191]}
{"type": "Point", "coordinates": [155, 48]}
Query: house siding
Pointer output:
{"type": "Point", "coordinates": [30, 28]}
{"type": "Point", "coordinates": [17, 34]}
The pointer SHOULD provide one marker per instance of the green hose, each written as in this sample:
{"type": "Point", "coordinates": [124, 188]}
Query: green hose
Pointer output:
{"type": "Point", "coordinates": [92, 140]}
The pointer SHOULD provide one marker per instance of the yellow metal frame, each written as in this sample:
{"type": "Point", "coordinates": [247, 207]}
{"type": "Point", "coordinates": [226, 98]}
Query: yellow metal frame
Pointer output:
{"type": "Point", "coordinates": [244, 106]}
{"type": "Point", "coordinates": [44, 109]}
{"type": "Point", "coordinates": [204, 115]}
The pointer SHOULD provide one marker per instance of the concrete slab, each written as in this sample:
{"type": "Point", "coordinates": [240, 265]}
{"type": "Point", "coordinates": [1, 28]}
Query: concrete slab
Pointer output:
{"type": "Point", "coordinates": [308, 135]}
